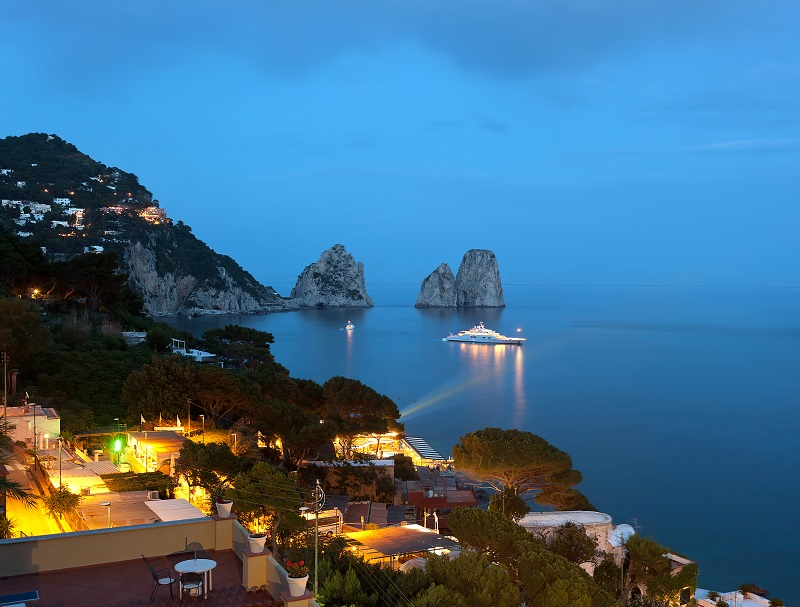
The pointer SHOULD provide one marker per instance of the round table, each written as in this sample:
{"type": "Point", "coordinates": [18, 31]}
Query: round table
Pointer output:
{"type": "Point", "coordinates": [203, 566]}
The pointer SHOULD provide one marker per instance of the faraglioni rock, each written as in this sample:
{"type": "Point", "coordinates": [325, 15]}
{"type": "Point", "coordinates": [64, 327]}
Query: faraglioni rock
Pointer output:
{"type": "Point", "coordinates": [438, 290]}
{"type": "Point", "coordinates": [477, 284]}
{"type": "Point", "coordinates": [478, 281]}
{"type": "Point", "coordinates": [335, 281]}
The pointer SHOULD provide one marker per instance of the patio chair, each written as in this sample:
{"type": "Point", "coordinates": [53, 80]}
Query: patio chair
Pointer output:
{"type": "Point", "coordinates": [161, 576]}
{"type": "Point", "coordinates": [193, 584]}
{"type": "Point", "coordinates": [197, 549]}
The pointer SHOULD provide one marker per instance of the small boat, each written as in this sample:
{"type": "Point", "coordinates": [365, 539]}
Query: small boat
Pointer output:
{"type": "Point", "coordinates": [481, 335]}
{"type": "Point", "coordinates": [349, 326]}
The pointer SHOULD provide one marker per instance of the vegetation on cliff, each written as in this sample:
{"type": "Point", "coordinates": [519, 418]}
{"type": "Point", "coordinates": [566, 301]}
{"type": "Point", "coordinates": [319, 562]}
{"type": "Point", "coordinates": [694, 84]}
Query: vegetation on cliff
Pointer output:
{"type": "Point", "coordinates": [68, 203]}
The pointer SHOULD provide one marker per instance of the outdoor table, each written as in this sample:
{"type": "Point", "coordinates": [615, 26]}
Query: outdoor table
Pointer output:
{"type": "Point", "coordinates": [203, 566]}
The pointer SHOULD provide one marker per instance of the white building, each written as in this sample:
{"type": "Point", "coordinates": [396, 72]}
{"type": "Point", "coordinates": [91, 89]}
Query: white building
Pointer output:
{"type": "Point", "coordinates": [610, 538]}
{"type": "Point", "coordinates": [24, 421]}
{"type": "Point", "coordinates": [62, 201]}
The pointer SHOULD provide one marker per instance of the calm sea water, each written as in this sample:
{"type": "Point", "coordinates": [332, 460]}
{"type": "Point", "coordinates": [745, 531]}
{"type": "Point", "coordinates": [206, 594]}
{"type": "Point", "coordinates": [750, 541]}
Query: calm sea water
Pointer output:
{"type": "Point", "coordinates": [679, 405]}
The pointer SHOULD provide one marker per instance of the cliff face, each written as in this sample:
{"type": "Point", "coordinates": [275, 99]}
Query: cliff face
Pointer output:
{"type": "Point", "coordinates": [173, 271]}
{"type": "Point", "coordinates": [335, 281]}
{"type": "Point", "coordinates": [478, 281]}
{"type": "Point", "coordinates": [477, 284]}
{"type": "Point", "coordinates": [169, 293]}
{"type": "Point", "coordinates": [438, 290]}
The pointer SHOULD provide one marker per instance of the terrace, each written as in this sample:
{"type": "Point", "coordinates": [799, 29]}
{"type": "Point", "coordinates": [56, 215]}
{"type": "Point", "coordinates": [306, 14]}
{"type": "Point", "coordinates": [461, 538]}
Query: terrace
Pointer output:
{"type": "Point", "coordinates": [104, 566]}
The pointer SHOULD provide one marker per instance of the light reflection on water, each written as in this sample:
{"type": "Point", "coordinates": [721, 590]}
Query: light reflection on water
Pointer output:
{"type": "Point", "coordinates": [679, 406]}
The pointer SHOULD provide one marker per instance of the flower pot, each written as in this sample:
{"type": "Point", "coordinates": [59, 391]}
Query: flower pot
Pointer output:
{"type": "Point", "coordinates": [224, 508]}
{"type": "Point", "coordinates": [257, 542]}
{"type": "Point", "coordinates": [297, 585]}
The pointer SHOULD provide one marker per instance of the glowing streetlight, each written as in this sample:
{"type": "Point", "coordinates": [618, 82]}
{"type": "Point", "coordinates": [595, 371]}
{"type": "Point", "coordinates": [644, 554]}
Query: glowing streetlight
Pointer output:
{"type": "Point", "coordinates": [108, 506]}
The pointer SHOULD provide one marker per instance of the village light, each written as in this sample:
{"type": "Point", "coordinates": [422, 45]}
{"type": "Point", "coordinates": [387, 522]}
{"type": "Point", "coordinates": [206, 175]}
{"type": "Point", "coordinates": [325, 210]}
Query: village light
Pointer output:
{"type": "Point", "coordinates": [107, 505]}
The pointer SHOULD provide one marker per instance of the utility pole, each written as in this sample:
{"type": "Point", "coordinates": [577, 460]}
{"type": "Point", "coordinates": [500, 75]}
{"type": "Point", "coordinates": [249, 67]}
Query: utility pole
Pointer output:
{"type": "Point", "coordinates": [188, 417]}
{"type": "Point", "coordinates": [319, 497]}
{"type": "Point", "coordinates": [5, 384]}
{"type": "Point", "coordinates": [34, 431]}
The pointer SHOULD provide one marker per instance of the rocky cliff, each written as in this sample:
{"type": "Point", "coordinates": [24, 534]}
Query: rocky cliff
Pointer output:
{"type": "Point", "coordinates": [176, 291]}
{"type": "Point", "coordinates": [477, 284]}
{"type": "Point", "coordinates": [335, 281]}
{"type": "Point", "coordinates": [107, 209]}
{"type": "Point", "coordinates": [438, 290]}
{"type": "Point", "coordinates": [478, 281]}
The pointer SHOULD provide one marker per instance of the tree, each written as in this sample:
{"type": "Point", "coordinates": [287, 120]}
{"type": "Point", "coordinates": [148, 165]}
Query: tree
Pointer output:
{"type": "Point", "coordinates": [161, 387]}
{"type": "Point", "coordinates": [210, 465]}
{"type": "Point", "coordinates": [7, 526]}
{"type": "Point", "coordinates": [240, 347]}
{"type": "Point", "coordinates": [573, 543]}
{"type": "Point", "coordinates": [546, 579]}
{"type": "Point", "coordinates": [299, 430]}
{"type": "Point", "coordinates": [470, 579]}
{"type": "Point", "coordinates": [649, 567]}
{"type": "Point", "coordinates": [61, 502]}
{"type": "Point", "coordinates": [23, 335]}
{"type": "Point", "coordinates": [221, 392]}
{"type": "Point", "coordinates": [266, 493]}
{"type": "Point", "coordinates": [508, 504]}
{"type": "Point", "coordinates": [355, 408]}
{"type": "Point", "coordinates": [11, 489]}
{"type": "Point", "coordinates": [518, 460]}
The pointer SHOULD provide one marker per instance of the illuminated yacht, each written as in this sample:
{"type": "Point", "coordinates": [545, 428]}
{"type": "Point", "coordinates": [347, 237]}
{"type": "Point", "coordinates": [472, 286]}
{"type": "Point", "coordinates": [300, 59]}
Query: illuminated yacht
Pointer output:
{"type": "Point", "coordinates": [481, 335]}
{"type": "Point", "coordinates": [349, 326]}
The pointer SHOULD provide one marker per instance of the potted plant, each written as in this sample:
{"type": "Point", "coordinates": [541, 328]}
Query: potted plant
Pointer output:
{"type": "Point", "coordinates": [298, 577]}
{"type": "Point", "coordinates": [224, 506]}
{"type": "Point", "coordinates": [257, 542]}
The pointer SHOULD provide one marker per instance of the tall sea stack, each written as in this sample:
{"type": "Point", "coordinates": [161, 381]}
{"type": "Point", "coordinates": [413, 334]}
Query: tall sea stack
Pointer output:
{"type": "Point", "coordinates": [438, 289]}
{"type": "Point", "coordinates": [477, 284]}
{"type": "Point", "coordinates": [335, 281]}
{"type": "Point", "coordinates": [478, 281]}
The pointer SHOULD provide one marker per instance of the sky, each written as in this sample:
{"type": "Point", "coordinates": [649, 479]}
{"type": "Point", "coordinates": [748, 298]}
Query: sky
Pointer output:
{"type": "Point", "coordinates": [583, 141]}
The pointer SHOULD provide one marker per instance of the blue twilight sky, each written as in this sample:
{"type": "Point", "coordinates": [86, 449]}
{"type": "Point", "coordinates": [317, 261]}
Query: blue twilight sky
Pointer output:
{"type": "Point", "coordinates": [584, 141]}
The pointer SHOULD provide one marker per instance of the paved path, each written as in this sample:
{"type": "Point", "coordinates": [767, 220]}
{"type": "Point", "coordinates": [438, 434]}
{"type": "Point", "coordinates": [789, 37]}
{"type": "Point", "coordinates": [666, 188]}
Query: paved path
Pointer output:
{"type": "Point", "coordinates": [31, 521]}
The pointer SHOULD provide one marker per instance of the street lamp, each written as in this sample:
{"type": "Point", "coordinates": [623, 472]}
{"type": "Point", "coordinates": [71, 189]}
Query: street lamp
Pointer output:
{"type": "Point", "coordinates": [59, 462]}
{"type": "Point", "coordinates": [203, 418]}
{"type": "Point", "coordinates": [107, 505]}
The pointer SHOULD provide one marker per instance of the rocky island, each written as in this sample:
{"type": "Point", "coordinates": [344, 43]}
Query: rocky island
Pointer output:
{"type": "Point", "coordinates": [335, 281]}
{"type": "Point", "coordinates": [477, 284]}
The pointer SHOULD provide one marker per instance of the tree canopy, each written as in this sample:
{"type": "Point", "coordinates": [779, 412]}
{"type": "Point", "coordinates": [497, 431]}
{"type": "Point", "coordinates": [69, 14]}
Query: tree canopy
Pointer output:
{"type": "Point", "coordinates": [240, 347]}
{"type": "Point", "coordinates": [517, 460]}
{"type": "Point", "coordinates": [545, 578]}
{"type": "Point", "coordinates": [162, 387]}
{"type": "Point", "coordinates": [355, 408]}
{"type": "Point", "coordinates": [266, 493]}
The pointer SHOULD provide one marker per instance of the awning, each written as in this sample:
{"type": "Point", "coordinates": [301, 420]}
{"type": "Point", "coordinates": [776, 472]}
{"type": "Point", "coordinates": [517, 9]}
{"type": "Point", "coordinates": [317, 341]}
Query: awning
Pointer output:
{"type": "Point", "coordinates": [174, 510]}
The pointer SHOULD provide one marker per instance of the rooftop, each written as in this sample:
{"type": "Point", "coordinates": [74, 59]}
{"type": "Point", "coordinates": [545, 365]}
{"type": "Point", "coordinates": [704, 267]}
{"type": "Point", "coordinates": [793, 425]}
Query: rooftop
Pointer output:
{"type": "Point", "coordinates": [128, 584]}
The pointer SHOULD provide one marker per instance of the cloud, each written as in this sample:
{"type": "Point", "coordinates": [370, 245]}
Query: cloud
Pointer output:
{"type": "Point", "coordinates": [507, 39]}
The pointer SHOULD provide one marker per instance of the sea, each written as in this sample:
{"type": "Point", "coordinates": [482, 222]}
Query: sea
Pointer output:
{"type": "Point", "coordinates": [679, 405]}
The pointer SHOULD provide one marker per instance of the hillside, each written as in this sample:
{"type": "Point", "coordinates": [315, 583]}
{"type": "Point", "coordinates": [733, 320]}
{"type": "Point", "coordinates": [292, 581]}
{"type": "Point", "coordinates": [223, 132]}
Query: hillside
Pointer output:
{"type": "Point", "coordinates": [68, 203]}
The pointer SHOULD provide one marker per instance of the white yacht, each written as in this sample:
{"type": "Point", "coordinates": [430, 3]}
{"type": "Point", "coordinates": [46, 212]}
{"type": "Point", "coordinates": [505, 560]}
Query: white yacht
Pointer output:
{"type": "Point", "coordinates": [481, 335]}
{"type": "Point", "coordinates": [349, 326]}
